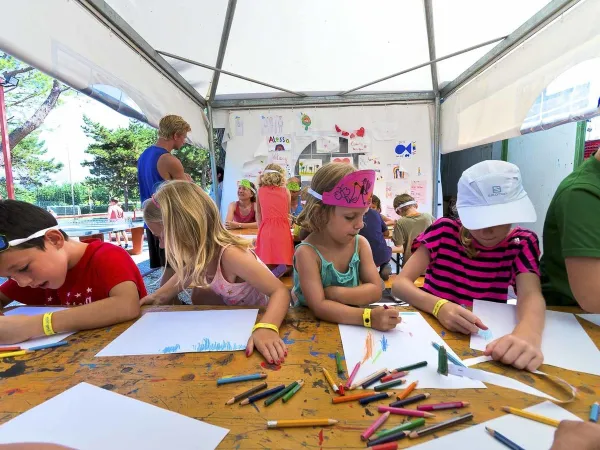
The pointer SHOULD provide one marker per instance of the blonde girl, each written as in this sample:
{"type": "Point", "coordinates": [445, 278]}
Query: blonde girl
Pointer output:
{"type": "Point", "coordinates": [217, 264]}
{"type": "Point", "coordinates": [333, 267]}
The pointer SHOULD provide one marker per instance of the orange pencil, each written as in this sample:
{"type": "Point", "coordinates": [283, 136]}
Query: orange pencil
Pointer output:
{"type": "Point", "coordinates": [352, 398]}
{"type": "Point", "coordinates": [406, 392]}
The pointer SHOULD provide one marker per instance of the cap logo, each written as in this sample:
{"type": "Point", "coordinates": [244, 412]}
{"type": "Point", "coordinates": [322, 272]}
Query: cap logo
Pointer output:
{"type": "Point", "coordinates": [496, 191]}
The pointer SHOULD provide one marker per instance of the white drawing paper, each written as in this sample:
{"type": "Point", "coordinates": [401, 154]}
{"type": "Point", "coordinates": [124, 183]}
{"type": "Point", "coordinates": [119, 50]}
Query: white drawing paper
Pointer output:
{"type": "Point", "coordinates": [308, 167]}
{"type": "Point", "coordinates": [405, 149]}
{"type": "Point", "coordinates": [343, 160]}
{"type": "Point", "coordinates": [359, 144]}
{"type": "Point", "coordinates": [409, 343]}
{"type": "Point", "coordinates": [43, 340]}
{"type": "Point", "coordinates": [594, 318]}
{"type": "Point", "coordinates": [328, 144]}
{"type": "Point", "coordinates": [284, 159]}
{"type": "Point", "coordinates": [369, 162]}
{"type": "Point", "coordinates": [418, 190]}
{"type": "Point", "coordinates": [524, 432]}
{"type": "Point", "coordinates": [271, 125]}
{"type": "Point", "coordinates": [564, 341]}
{"type": "Point", "coordinates": [279, 143]}
{"type": "Point", "coordinates": [158, 333]}
{"type": "Point", "coordinates": [253, 168]}
{"type": "Point", "coordinates": [87, 417]}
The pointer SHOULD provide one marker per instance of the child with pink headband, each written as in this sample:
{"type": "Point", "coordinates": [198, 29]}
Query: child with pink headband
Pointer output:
{"type": "Point", "coordinates": [333, 267]}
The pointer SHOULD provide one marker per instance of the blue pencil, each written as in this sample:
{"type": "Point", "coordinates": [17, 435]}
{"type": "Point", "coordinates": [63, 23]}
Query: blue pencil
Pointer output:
{"type": "Point", "coordinates": [255, 398]}
{"type": "Point", "coordinates": [451, 358]}
{"type": "Point", "coordinates": [251, 377]}
{"type": "Point", "coordinates": [506, 441]}
{"type": "Point", "coordinates": [43, 347]}
{"type": "Point", "coordinates": [594, 412]}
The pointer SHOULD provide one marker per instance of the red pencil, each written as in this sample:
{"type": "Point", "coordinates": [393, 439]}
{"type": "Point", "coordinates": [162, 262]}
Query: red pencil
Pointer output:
{"type": "Point", "coordinates": [388, 446]}
{"type": "Point", "coordinates": [448, 405]}
{"type": "Point", "coordinates": [10, 349]}
{"type": "Point", "coordinates": [405, 412]}
{"type": "Point", "coordinates": [393, 376]}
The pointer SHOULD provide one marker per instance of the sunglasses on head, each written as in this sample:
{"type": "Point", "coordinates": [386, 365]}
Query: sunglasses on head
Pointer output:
{"type": "Point", "coordinates": [5, 244]}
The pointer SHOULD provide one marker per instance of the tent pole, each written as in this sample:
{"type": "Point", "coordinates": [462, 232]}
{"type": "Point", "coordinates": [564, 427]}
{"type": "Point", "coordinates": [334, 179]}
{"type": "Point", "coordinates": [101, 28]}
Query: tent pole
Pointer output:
{"type": "Point", "coordinates": [436, 154]}
{"type": "Point", "coordinates": [222, 48]}
{"type": "Point", "coordinates": [431, 42]}
{"type": "Point", "coordinates": [10, 187]}
{"type": "Point", "coordinates": [213, 159]}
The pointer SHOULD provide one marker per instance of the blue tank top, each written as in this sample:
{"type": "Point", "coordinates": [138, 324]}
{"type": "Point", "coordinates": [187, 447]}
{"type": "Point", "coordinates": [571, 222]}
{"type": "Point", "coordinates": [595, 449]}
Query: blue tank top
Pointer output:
{"type": "Point", "coordinates": [148, 176]}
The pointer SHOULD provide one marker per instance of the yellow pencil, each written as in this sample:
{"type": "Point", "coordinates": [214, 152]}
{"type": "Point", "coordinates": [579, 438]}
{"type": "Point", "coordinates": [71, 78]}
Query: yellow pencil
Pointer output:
{"type": "Point", "coordinates": [300, 423]}
{"type": "Point", "coordinates": [532, 416]}
{"type": "Point", "coordinates": [17, 353]}
{"type": "Point", "coordinates": [329, 379]}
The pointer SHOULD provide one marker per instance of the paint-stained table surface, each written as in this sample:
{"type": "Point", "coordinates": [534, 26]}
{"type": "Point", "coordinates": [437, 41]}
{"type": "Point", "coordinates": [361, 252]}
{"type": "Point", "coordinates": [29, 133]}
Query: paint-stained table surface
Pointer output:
{"type": "Point", "coordinates": [185, 383]}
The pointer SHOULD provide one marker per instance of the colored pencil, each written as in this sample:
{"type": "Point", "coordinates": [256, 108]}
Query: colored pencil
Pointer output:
{"type": "Point", "coordinates": [300, 423]}
{"type": "Point", "coordinates": [329, 379]}
{"type": "Point", "coordinates": [389, 384]}
{"type": "Point", "coordinates": [405, 412]}
{"type": "Point", "coordinates": [594, 412]}
{"type": "Point", "coordinates": [503, 439]}
{"type": "Point", "coordinates": [247, 393]}
{"type": "Point", "coordinates": [415, 423]}
{"type": "Point", "coordinates": [374, 376]}
{"type": "Point", "coordinates": [447, 405]}
{"type": "Point", "coordinates": [17, 353]}
{"type": "Point", "coordinates": [440, 426]}
{"type": "Point", "coordinates": [255, 398]}
{"type": "Point", "coordinates": [532, 416]}
{"type": "Point", "coordinates": [389, 438]}
{"type": "Point", "coordinates": [290, 394]}
{"type": "Point", "coordinates": [374, 398]}
{"type": "Point", "coordinates": [405, 393]}
{"type": "Point", "coordinates": [43, 347]}
{"type": "Point", "coordinates": [351, 398]}
{"type": "Point", "coordinates": [10, 349]}
{"type": "Point", "coordinates": [273, 398]}
{"type": "Point", "coordinates": [451, 358]}
{"type": "Point", "coordinates": [374, 426]}
{"type": "Point", "coordinates": [394, 376]}
{"type": "Point", "coordinates": [338, 363]}
{"type": "Point", "coordinates": [409, 400]}
{"type": "Point", "coordinates": [352, 375]}
{"type": "Point", "coordinates": [388, 446]}
{"type": "Point", "coordinates": [240, 378]}
{"type": "Point", "coordinates": [411, 367]}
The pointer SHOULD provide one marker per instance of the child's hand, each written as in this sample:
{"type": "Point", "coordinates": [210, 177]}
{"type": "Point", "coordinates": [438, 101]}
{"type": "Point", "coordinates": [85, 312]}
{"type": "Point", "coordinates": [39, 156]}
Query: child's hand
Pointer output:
{"type": "Point", "coordinates": [19, 328]}
{"type": "Point", "coordinates": [520, 351]}
{"type": "Point", "coordinates": [457, 318]}
{"type": "Point", "coordinates": [269, 344]}
{"type": "Point", "coordinates": [384, 319]}
{"type": "Point", "coordinates": [152, 299]}
{"type": "Point", "coordinates": [572, 434]}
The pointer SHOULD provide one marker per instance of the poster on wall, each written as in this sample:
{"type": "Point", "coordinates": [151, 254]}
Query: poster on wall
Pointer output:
{"type": "Point", "coordinates": [279, 143]}
{"type": "Point", "coordinates": [418, 190]}
{"type": "Point", "coordinates": [359, 144]}
{"type": "Point", "coordinates": [389, 191]}
{"type": "Point", "coordinates": [308, 167]}
{"type": "Point", "coordinates": [396, 172]}
{"type": "Point", "coordinates": [391, 213]}
{"type": "Point", "coordinates": [271, 125]}
{"type": "Point", "coordinates": [238, 125]}
{"type": "Point", "coordinates": [328, 144]}
{"type": "Point", "coordinates": [343, 160]}
{"type": "Point", "coordinates": [284, 159]}
{"type": "Point", "coordinates": [405, 149]}
{"type": "Point", "coordinates": [253, 169]}
{"type": "Point", "coordinates": [369, 162]}
{"type": "Point", "coordinates": [378, 175]}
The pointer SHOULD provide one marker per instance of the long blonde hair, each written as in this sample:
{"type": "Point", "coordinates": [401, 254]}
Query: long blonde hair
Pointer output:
{"type": "Point", "coordinates": [271, 178]}
{"type": "Point", "coordinates": [193, 233]}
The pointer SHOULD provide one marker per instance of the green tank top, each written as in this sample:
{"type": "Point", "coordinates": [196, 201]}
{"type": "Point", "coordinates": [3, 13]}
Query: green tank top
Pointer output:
{"type": "Point", "coordinates": [329, 275]}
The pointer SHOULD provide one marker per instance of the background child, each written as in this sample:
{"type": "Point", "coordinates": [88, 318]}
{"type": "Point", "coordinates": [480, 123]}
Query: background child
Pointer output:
{"type": "Point", "coordinates": [410, 224]}
{"type": "Point", "coordinates": [274, 243]}
{"type": "Point", "coordinates": [219, 265]}
{"type": "Point", "coordinates": [375, 232]}
{"type": "Point", "coordinates": [331, 261]}
{"type": "Point", "coordinates": [293, 186]}
{"type": "Point", "coordinates": [376, 205]}
{"type": "Point", "coordinates": [478, 257]}
{"type": "Point", "coordinates": [46, 268]}
{"type": "Point", "coordinates": [116, 214]}
{"type": "Point", "coordinates": [241, 213]}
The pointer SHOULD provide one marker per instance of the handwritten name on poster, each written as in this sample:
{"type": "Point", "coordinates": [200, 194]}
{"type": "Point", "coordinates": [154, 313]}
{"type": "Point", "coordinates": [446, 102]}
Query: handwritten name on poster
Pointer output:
{"type": "Point", "coordinates": [279, 143]}
{"type": "Point", "coordinates": [418, 189]}
{"type": "Point", "coordinates": [369, 162]}
{"type": "Point", "coordinates": [284, 159]}
{"type": "Point", "coordinates": [359, 144]}
{"type": "Point", "coordinates": [271, 125]}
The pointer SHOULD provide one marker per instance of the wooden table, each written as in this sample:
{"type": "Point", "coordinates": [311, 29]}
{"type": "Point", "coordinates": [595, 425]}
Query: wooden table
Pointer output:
{"type": "Point", "coordinates": [185, 383]}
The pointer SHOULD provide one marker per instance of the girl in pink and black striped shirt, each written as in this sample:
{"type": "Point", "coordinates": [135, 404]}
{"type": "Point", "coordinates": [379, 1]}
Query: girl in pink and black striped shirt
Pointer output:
{"type": "Point", "coordinates": [478, 257]}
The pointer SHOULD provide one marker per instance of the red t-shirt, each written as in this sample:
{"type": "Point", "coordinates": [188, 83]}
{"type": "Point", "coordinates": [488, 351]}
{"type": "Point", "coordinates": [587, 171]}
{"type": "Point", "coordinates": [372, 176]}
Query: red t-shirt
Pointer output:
{"type": "Point", "coordinates": [101, 268]}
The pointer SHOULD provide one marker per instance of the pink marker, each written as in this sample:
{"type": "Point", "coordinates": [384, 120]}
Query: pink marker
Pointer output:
{"type": "Point", "coordinates": [374, 426]}
{"type": "Point", "coordinates": [352, 375]}
{"type": "Point", "coordinates": [448, 405]}
{"type": "Point", "coordinates": [405, 412]}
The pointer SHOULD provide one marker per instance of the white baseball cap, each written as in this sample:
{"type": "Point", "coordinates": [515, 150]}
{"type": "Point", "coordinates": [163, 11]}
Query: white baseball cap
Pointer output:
{"type": "Point", "coordinates": [491, 193]}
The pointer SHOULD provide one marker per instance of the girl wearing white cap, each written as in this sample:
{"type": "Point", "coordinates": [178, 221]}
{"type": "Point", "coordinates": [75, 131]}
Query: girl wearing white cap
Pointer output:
{"type": "Point", "coordinates": [478, 257]}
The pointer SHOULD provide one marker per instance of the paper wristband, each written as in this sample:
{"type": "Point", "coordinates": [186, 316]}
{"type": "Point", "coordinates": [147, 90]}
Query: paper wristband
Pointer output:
{"type": "Point", "coordinates": [47, 324]}
{"type": "Point", "coordinates": [367, 318]}
{"type": "Point", "coordinates": [268, 326]}
{"type": "Point", "coordinates": [438, 306]}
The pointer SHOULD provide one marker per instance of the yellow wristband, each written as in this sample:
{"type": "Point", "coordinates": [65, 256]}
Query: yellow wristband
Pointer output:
{"type": "Point", "coordinates": [438, 306]}
{"type": "Point", "coordinates": [367, 317]}
{"type": "Point", "coordinates": [47, 324]}
{"type": "Point", "coordinates": [268, 326]}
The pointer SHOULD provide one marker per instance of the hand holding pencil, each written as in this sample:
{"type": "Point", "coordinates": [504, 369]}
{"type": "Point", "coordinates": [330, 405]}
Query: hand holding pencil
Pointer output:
{"type": "Point", "coordinates": [385, 319]}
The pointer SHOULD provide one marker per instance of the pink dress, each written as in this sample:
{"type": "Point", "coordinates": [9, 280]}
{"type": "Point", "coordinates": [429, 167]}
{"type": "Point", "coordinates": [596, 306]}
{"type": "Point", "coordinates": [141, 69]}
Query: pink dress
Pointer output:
{"type": "Point", "coordinates": [274, 243]}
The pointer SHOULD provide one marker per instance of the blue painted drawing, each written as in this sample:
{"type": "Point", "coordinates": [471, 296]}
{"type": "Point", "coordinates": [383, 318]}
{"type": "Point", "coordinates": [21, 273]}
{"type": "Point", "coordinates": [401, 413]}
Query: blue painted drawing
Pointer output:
{"type": "Point", "coordinates": [384, 343]}
{"type": "Point", "coordinates": [224, 346]}
{"type": "Point", "coordinates": [485, 334]}
{"type": "Point", "coordinates": [171, 349]}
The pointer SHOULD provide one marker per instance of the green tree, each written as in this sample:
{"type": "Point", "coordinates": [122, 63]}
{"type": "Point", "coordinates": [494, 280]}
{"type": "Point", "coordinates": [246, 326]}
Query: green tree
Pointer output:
{"type": "Point", "coordinates": [29, 169]}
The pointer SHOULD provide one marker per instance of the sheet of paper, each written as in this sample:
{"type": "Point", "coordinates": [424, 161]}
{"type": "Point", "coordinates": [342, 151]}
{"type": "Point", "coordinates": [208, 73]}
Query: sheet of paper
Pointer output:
{"type": "Point", "coordinates": [564, 341]}
{"type": "Point", "coordinates": [328, 144]}
{"type": "Point", "coordinates": [87, 417]}
{"type": "Point", "coordinates": [185, 332]}
{"type": "Point", "coordinates": [408, 343]}
{"type": "Point", "coordinates": [32, 311]}
{"type": "Point", "coordinates": [308, 167]}
{"type": "Point", "coordinates": [527, 433]}
{"type": "Point", "coordinates": [279, 143]}
{"type": "Point", "coordinates": [594, 318]}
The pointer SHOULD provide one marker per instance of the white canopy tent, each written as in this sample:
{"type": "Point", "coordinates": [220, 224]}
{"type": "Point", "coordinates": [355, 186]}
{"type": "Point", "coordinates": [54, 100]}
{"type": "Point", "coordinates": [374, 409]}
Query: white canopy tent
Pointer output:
{"type": "Point", "coordinates": [486, 61]}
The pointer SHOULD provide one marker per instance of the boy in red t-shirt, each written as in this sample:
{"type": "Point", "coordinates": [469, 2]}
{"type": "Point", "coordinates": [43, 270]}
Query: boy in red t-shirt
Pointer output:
{"type": "Point", "coordinates": [46, 268]}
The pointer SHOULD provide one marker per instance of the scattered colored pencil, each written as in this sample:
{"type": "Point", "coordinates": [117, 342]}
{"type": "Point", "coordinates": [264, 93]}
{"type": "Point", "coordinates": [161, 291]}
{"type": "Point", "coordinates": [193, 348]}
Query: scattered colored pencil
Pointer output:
{"type": "Point", "coordinates": [300, 423]}
{"type": "Point", "coordinates": [388, 446]}
{"type": "Point", "coordinates": [405, 412]}
{"type": "Point", "coordinates": [273, 398]}
{"type": "Point", "coordinates": [532, 416]}
{"type": "Point", "coordinates": [440, 426]}
{"type": "Point", "coordinates": [447, 405]}
{"type": "Point", "coordinates": [409, 400]}
{"type": "Point", "coordinates": [389, 384]}
{"type": "Point", "coordinates": [389, 438]}
{"type": "Point", "coordinates": [394, 376]}
{"type": "Point", "coordinates": [451, 358]}
{"type": "Point", "coordinates": [329, 379]}
{"type": "Point", "coordinates": [373, 380]}
{"type": "Point", "coordinates": [338, 363]}
{"type": "Point", "coordinates": [290, 394]}
{"type": "Point", "coordinates": [351, 398]}
{"type": "Point", "coordinates": [594, 412]}
{"type": "Point", "coordinates": [374, 398]}
{"type": "Point", "coordinates": [239, 379]}
{"type": "Point", "coordinates": [406, 392]}
{"type": "Point", "coordinates": [247, 393]}
{"type": "Point", "coordinates": [375, 375]}
{"type": "Point", "coordinates": [411, 367]}
{"type": "Point", "coordinates": [257, 397]}
{"type": "Point", "coordinates": [415, 423]}
{"type": "Point", "coordinates": [501, 438]}
{"type": "Point", "coordinates": [374, 426]}
{"type": "Point", "coordinates": [17, 353]}
{"type": "Point", "coordinates": [352, 375]}
{"type": "Point", "coordinates": [43, 347]}
{"type": "Point", "coordinates": [10, 349]}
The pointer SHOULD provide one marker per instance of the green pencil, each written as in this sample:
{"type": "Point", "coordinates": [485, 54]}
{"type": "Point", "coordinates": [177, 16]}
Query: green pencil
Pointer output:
{"type": "Point", "coordinates": [404, 427]}
{"type": "Point", "coordinates": [338, 362]}
{"type": "Point", "coordinates": [411, 367]}
{"type": "Point", "coordinates": [290, 394]}
{"type": "Point", "coordinates": [389, 384]}
{"type": "Point", "coordinates": [273, 398]}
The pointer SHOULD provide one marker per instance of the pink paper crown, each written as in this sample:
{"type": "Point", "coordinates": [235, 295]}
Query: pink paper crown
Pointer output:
{"type": "Point", "coordinates": [353, 191]}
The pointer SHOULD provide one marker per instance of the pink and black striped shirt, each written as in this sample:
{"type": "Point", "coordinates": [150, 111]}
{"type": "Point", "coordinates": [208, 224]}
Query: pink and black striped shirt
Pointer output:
{"type": "Point", "coordinates": [454, 276]}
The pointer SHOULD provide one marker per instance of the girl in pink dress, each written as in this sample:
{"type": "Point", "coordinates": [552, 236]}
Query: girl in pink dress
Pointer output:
{"type": "Point", "coordinates": [274, 243]}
